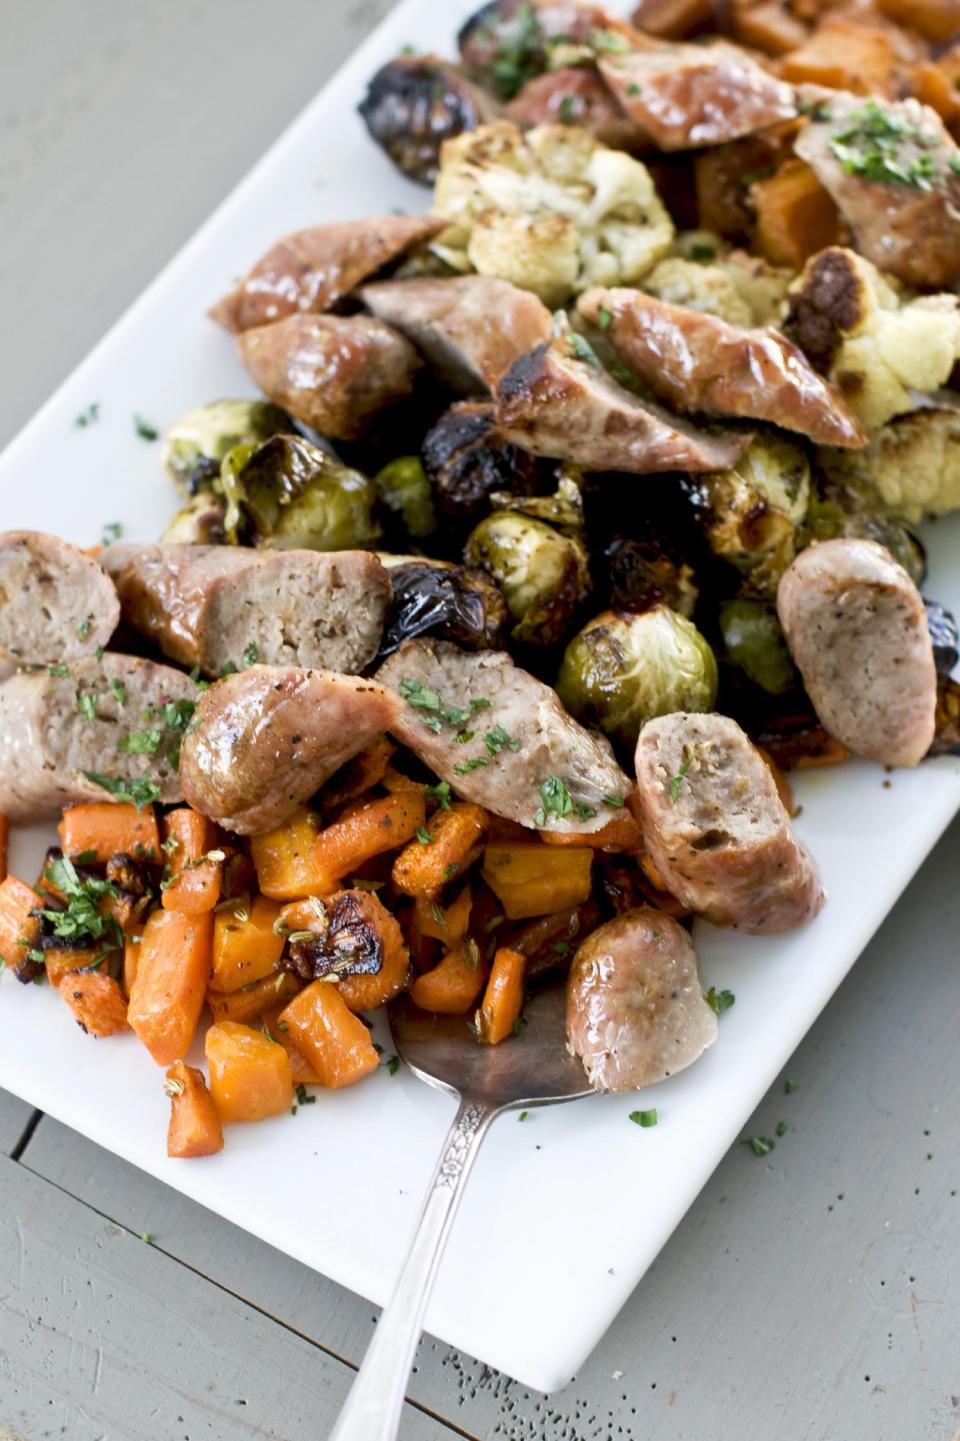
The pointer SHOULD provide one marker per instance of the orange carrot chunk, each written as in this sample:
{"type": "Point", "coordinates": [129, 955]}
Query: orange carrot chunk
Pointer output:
{"type": "Point", "coordinates": [97, 1002]}
{"type": "Point", "coordinates": [249, 1073]}
{"type": "Point", "coordinates": [61, 960]}
{"type": "Point", "coordinates": [196, 866]}
{"type": "Point", "coordinates": [530, 879]}
{"type": "Point", "coordinates": [18, 929]}
{"type": "Point", "coordinates": [334, 1041]}
{"type": "Point", "coordinates": [101, 829]}
{"type": "Point", "coordinates": [368, 830]}
{"type": "Point", "coordinates": [131, 959]}
{"type": "Point", "coordinates": [444, 848]}
{"type": "Point", "coordinates": [499, 1013]}
{"type": "Point", "coordinates": [284, 860]}
{"type": "Point", "coordinates": [274, 1026]}
{"type": "Point", "coordinates": [453, 986]}
{"type": "Point", "coordinates": [444, 923]}
{"type": "Point", "coordinates": [172, 973]}
{"type": "Point", "coordinates": [245, 945]}
{"type": "Point", "coordinates": [254, 999]}
{"type": "Point", "coordinates": [795, 215]}
{"type": "Point", "coordinates": [194, 1128]}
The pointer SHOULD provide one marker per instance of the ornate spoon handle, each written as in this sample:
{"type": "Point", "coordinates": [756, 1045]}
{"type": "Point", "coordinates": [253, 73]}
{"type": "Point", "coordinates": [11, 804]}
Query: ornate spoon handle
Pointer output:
{"type": "Point", "coordinates": [372, 1409]}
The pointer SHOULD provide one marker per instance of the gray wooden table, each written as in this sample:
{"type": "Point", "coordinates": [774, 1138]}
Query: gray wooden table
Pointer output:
{"type": "Point", "coordinates": [809, 1294]}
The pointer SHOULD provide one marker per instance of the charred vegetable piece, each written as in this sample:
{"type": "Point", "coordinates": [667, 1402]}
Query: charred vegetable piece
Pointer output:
{"type": "Point", "coordinates": [755, 643]}
{"type": "Point", "coordinates": [405, 490]}
{"type": "Point", "coordinates": [800, 742]}
{"type": "Point", "coordinates": [846, 509]}
{"type": "Point", "coordinates": [195, 446]}
{"type": "Point", "coordinates": [503, 46]}
{"type": "Point", "coordinates": [943, 634]}
{"type": "Point", "coordinates": [946, 738]}
{"type": "Point", "coordinates": [355, 943]}
{"type": "Point", "coordinates": [451, 602]}
{"type": "Point", "coordinates": [467, 459]}
{"type": "Point", "coordinates": [416, 102]}
{"type": "Point", "coordinates": [622, 670]}
{"type": "Point", "coordinates": [640, 573]}
{"type": "Point", "coordinates": [294, 496]}
{"type": "Point", "coordinates": [543, 574]}
{"type": "Point", "coordinates": [202, 521]}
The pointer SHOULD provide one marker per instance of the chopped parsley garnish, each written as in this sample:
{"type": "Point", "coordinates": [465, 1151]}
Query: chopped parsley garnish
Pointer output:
{"type": "Point", "coordinates": [303, 1096]}
{"type": "Point", "coordinates": [759, 1145]}
{"type": "Point", "coordinates": [465, 767]}
{"type": "Point", "coordinates": [144, 429]}
{"type": "Point", "coordinates": [392, 1064]}
{"type": "Point", "coordinates": [140, 743]}
{"type": "Point", "coordinates": [645, 1118]}
{"type": "Point", "coordinates": [604, 318]}
{"type": "Point", "coordinates": [567, 111]}
{"type": "Point", "coordinates": [59, 671]}
{"type": "Point", "coordinates": [111, 532]}
{"type": "Point", "coordinates": [450, 870]}
{"type": "Point", "coordinates": [608, 41]}
{"type": "Point", "coordinates": [230, 668]}
{"type": "Point", "coordinates": [872, 147]}
{"type": "Point", "coordinates": [480, 704]}
{"type": "Point", "coordinates": [677, 781]}
{"type": "Point", "coordinates": [633, 88]}
{"type": "Point", "coordinates": [555, 798]}
{"type": "Point", "coordinates": [84, 858]}
{"type": "Point", "coordinates": [616, 802]}
{"type": "Point", "coordinates": [523, 1115]}
{"type": "Point", "coordinates": [783, 1127]}
{"type": "Point", "coordinates": [87, 704]}
{"type": "Point", "coordinates": [439, 793]}
{"type": "Point", "coordinates": [495, 740]}
{"type": "Point", "coordinates": [585, 812]}
{"type": "Point", "coordinates": [418, 695]}
{"type": "Point", "coordinates": [82, 627]}
{"type": "Point", "coordinates": [82, 921]}
{"type": "Point", "coordinates": [581, 349]}
{"type": "Point", "coordinates": [462, 737]}
{"type": "Point", "coordinates": [140, 792]}
{"type": "Point", "coordinates": [424, 836]}
{"type": "Point", "coordinates": [88, 416]}
{"type": "Point", "coordinates": [561, 948]}
{"type": "Point", "coordinates": [119, 690]}
{"type": "Point", "coordinates": [656, 937]}
{"type": "Point", "coordinates": [251, 655]}
{"type": "Point", "coordinates": [790, 1086]}
{"type": "Point", "coordinates": [518, 56]}
{"type": "Point", "coordinates": [719, 1001]}
{"type": "Point", "coordinates": [518, 1025]}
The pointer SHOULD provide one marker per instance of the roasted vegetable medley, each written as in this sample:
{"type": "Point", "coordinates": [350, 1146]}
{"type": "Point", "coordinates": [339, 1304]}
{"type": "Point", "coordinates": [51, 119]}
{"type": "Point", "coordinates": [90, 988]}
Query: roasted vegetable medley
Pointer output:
{"type": "Point", "coordinates": [575, 512]}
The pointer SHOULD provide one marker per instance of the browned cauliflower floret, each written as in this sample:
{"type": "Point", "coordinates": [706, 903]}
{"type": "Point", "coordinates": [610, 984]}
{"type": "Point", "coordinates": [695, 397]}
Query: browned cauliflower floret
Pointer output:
{"type": "Point", "coordinates": [913, 464]}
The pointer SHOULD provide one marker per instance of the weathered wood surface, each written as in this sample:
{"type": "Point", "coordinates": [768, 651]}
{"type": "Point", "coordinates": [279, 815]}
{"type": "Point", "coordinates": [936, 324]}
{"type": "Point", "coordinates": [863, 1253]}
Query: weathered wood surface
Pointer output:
{"type": "Point", "coordinates": [15, 1118]}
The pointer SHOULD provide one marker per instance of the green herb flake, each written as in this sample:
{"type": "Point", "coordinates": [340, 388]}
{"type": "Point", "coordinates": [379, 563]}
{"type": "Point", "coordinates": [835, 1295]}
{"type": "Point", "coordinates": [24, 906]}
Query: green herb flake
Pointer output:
{"type": "Point", "coordinates": [140, 743]}
{"type": "Point", "coordinates": [585, 812]}
{"type": "Point", "coordinates": [230, 668]}
{"type": "Point", "coordinates": [81, 921]}
{"type": "Point", "coordinates": [471, 765]}
{"type": "Point", "coordinates": [614, 802]}
{"type": "Point", "coordinates": [523, 1115]}
{"type": "Point", "coordinates": [633, 89]}
{"type": "Point", "coordinates": [556, 799]}
{"type": "Point", "coordinates": [140, 792]}
{"type": "Point", "coordinates": [498, 739]}
{"type": "Point", "coordinates": [604, 318]}
{"type": "Point", "coordinates": [700, 251]}
{"type": "Point", "coordinates": [84, 858]}
{"type": "Point", "coordinates": [144, 429]}
{"type": "Point", "coordinates": [759, 1145]}
{"type": "Point", "coordinates": [567, 110]}
{"type": "Point", "coordinates": [451, 870]}
{"type": "Point", "coordinates": [518, 1025]}
{"type": "Point", "coordinates": [480, 704]}
{"type": "Point", "coordinates": [581, 349]}
{"type": "Point", "coordinates": [251, 655]}
{"type": "Point", "coordinates": [87, 704]}
{"type": "Point", "coordinates": [677, 781]}
{"type": "Point", "coordinates": [58, 671]}
{"type": "Point", "coordinates": [719, 1001]}
{"type": "Point", "coordinates": [608, 42]}
{"type": "Point", "coordinates": [646, 1119]}
{"type": "Point", "coordinates": [439, 793]}
{"type": "Point", "coordinates": [392, 1064]}
{"type": "Point", "coordinates": [111, 532]}
{"type": "Point", "coordinates": [782, 1128]}
{"type": "Point", "coordinates": [88, 416]}
{"type": "Point", "coordinates": [419, 696]}
{"type": "Point", "coordinates": [146, 1237]}
{"type": "Point", "coordinates": [790, 1086]}
{"type": "Point", "coordinates": [518, 55]}
{"type": "Point", "coordinates": [561, 948]}
{"type": "Point", "coordinates": [424, 836]}
{"type": "Point", "coordinates": [82, 627]}
{"type": "Point", "coordinates": [303, 1096]}
{"type": "Point", "coordinates": [119, 690]}
{"type": "Point", "coordinates": [462, 737]}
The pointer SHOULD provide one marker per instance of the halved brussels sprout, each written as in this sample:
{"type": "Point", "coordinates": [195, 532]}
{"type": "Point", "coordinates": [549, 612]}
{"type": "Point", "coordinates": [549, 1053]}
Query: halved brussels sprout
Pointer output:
{"type": "Point", "coordinates": [563, 509]}
{"type": "Point", "coordinates": [750, 515]}
{"type": "Point", "coordinates": [755, 643]}
{"type": "Point", "coordinates": [200, 522]}
{"type": "Point", "coordinates": [622, 670]}
{"type": "Point", "coordinates": [466, 459]}
{"type": "Point", "coordinates": [642, 573]}
{"type": "Point", "coordinates": [544, 575]}
{"type": "Point", "coordinates": [451, 602]}
{"type": "Point", "coordinates": [404, 489]}
{"type": "Point", "coordinates": [195, 446]}
{"type": "Point", "coordinates": [293, 495]}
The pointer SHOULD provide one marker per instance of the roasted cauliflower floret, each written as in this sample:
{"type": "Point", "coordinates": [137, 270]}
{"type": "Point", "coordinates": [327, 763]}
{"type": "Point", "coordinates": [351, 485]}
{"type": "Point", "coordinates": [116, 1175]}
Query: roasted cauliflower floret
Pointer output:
{"type": "Point", "coordinates": [699, 287]}
{"type": "Point", "coordinates": [551, 210]}
{"type": "Point", "coordinates": [878, 348]}
{"type": "Point", "coordinates": [913, 465]}
{"type": "Point", "coordinates": [761, 285]}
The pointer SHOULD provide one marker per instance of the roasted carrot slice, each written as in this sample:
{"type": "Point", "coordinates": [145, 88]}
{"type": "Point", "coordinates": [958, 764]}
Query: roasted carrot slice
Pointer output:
{"type": "Point", "coordinates": [444, 923]}
{"type": "Point", "coordinates": [795, 215]}
{"type": "Point", "coordinates": [453, 986]}
{"type": "Point", "coordinates": [61, 960]}
{"type": "Point", "coordinates": [18, 929]}
{"type": "Point", "coordinates": [195, 864]}
{"type": "Point", "coordinates": [368, 830]}
{"type": "Point", "coordinates": [499, 1013]}
{"type": "Point", "coordinates": [286, 870]}
{"type": "Point", "coordinates": [254, 999]}
{"type": "Point", "coordinates": [194, 1128]}
{"type": "Point", "coordinates": [621, 833]}
{"type": "Point", "coordinates": [245, 945]}
{"type": "Point", "coordinates": [131, 959]}
{"type": "Point", "coordinates": [249, 1073]}
{"type": "Point", "coordinates": [274, 1026]}
{"type": "Point", "coordinates": [444, 848]}
{"type": "Point", "coordinates": [101, 829]}
{"type": "Point", "coordinates": [329, 1036]}
{"type": "Point", "coordinates": [530, 879]}
{"type": "Point", "coordinates": [97, 1002]}
{"type": "Point", "coordinates": [172, 973]}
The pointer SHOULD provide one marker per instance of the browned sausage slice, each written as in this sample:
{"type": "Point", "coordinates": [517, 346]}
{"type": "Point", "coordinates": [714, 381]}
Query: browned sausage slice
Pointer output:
{"type": "Point", "coordinates": [716, 828]}
{"type": "Point", "coordinates": [523, 756]}
{"type": "Point", "coordinates": [208, 605]}
{"type": "Point", "coordinates": [857, 629]}
{"type": "Point", "coordinates": [56, 604]}
{"type": "Point", "coordinates": [636, 1011]}
{"type": "Point", "coordinates": [264, 740]}
{"type": "Point", "coordinates": [118, 718]}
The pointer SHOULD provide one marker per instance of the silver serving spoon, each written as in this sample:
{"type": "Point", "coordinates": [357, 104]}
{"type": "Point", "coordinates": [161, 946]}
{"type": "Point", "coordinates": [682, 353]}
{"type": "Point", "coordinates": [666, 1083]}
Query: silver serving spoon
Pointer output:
{"type": "Point", "coordinates": [532, 1069]}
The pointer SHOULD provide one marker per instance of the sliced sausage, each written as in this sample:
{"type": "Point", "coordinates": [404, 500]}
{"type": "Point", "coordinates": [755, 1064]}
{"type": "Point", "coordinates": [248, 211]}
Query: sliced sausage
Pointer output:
{"type": "Point", "coordinates": [449, 322]}
{"type": "Point", "coordinates": [716, 829]}
{"type": "Point", "coordinates": [558, 401]}
{"type": "Point", "coordinates": [333, 372]}
{"type": "Point", "coordinates": [857, 629]}
{"type": "Point", "coordinates": [574, 96]}
{"type": "Point", "coordinates": [264, 740]}
{"type": "Point", "coordinates": [209, 605]}
{"type": "Point", "coordinates": [119, 718]}
{"type": "Point", "coordinates": [311, 270]}
{"type": "Point", "coordinates": [636, 1011]}
{"type": "Point", "coordinates": [56, 604]}
{"type": "Point", "coordinates": [522, 756]}
{"type": "Point", "coordinates": [700, 363]}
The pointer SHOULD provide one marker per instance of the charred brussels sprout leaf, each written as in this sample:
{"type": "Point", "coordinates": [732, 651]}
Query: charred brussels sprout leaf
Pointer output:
{"type": "Point", "coordinates": [642, 573]}
{"type": "Point", "coordinates": [466, 460]}
{"type": "Point", "coordinates": [622, 670]}
{"type": "Point", "coordinates": [404, 489]}
{"type": "Point", "coordinates": [416, 102]}
{"type": "Point", "coordinates": [755, 643]}
{"type": "Point", "coordinates": [943, 636]}
{"type": "Point", "coordinates": [195, 446]}
{"type": "Point", "coordinates": [199, 522]}
{"type": "Point", "coordinates": [544, 575]}
{"type": "Point", "coordinates": [450, 602]}
{"type": "Point", "coordinates": [563, 510]}
{"type": "Point", "coordinates": [293, 495]}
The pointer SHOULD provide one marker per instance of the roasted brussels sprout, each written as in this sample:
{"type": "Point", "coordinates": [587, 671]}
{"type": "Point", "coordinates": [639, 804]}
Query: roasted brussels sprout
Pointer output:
{"type": "Point", "coordinates": [750, 515]}
{"type": "Point", "coordinates": [563, 510]}
{"type": "Point", "coordinates": [641, 573]}
{"type": "Point", "coordinates": [855, 513]}
{"type": "Point", "coordinates": [943, 635]}
{"type": "Point", "coordinates": [622, 670]}
{"type": "Point", "coordinates": [291, 494]}
{"type": "Point", "coordinates": [946, 736]}
{"type": "Point", "coordinates": [416, 102]}
{"type": "Point", "coordinates": [200, 522]}
{"type": "Point", "coordinates": [404, 489]}
{"type": "Point", "coordinates": [755, 643]}
{"type": "Point", "coordinates": [467, 460]}
{"type": "Point", "coordinates": [450, 602]}
{"type": "Point", "coordinates": [544, 575]}
{"type": "Point", "coordinates": [195, 446]}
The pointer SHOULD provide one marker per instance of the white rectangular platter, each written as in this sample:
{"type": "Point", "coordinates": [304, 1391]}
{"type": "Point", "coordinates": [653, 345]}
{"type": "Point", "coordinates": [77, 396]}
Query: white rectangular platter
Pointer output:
{"type": "Point", "coordinates": [564, 1213]}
